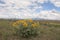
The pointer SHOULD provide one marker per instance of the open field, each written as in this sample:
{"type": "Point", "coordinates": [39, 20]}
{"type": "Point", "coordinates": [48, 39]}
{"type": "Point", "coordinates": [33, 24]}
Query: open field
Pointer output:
{"type": "Point", "coordinates": [49, 30]}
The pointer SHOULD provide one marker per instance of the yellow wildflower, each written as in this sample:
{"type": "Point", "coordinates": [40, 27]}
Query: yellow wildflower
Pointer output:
{"type": "Point", "coordinates": [22, 21]}
{"type": "Point", "coordinates": [34, 25]}
{"type": "Point", "coordinates": [14, 24]}
{"type": "Point", "coordinates": [30, 20]}
{"type": "Point", "coordinates": [25, 24]}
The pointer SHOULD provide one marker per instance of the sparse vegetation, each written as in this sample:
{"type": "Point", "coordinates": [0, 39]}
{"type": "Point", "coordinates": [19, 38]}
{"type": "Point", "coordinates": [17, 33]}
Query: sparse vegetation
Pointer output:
{"type": "Point", "coordinates": [49, 30]}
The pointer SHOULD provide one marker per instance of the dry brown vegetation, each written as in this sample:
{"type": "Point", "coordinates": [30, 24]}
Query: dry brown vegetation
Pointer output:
{"type": "Point", "coordinates": [49, 30]}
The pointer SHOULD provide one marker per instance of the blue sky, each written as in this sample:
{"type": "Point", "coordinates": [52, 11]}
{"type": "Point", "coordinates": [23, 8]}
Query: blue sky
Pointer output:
{"type": "Point", "coordinates": [30, 9]}
{"type": "Point", "coordinates": [49, 6]}
{"type": "Point", "coordinates": [46, 6]}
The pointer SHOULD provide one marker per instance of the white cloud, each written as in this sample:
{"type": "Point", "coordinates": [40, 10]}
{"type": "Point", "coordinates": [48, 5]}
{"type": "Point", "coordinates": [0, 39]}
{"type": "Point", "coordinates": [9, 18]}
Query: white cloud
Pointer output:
{"type": "Point", "coordinates": [11, 12]}
{"type": "Point", "coordinates": [56, 2]}
{"type": "Point", "coordinates": [18, 3]}
{"type": "Point", "coordinates": [52, 15]}
{"type": "Point", "coordinates": [41, 1]}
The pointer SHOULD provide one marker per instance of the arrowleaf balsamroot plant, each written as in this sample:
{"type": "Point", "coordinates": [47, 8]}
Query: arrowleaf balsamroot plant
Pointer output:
{"type": "Point", "coordinates": [27, 28]}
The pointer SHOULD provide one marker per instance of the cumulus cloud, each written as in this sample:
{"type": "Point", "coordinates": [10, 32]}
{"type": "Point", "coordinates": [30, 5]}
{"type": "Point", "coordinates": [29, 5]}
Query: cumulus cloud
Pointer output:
{"type": "Point", "coordinates": [25, 9]}
{"type": "Point", "coordinates": [18, 3]}
{"type": "Point", "coordinates": [42, 1]}
{"type": "Point", "coordinates": [52, 15]}
{"type": "Point", "coordinates": [56, 2]}
{"type": "Point", "coordinates": [15, 12]}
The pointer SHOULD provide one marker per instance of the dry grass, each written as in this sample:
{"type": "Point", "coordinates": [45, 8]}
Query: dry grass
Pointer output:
{"type": "Point", "coordinates": [50, 30]}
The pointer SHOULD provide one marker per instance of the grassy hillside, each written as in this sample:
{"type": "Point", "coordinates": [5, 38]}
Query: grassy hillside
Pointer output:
{"type": "Point", "coordinates": [49, 30]}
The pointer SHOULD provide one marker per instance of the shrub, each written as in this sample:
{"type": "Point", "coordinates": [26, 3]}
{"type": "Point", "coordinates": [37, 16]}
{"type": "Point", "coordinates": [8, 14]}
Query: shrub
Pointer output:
{"type": "Point", "coordinates": [27, 28]}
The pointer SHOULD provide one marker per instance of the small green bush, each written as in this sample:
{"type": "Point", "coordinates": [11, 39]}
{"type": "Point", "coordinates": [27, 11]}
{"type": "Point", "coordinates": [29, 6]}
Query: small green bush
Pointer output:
{"type": "Point", "coordinates": [28, 29]}
{"type": "Point", "coordinates": [28, 32]}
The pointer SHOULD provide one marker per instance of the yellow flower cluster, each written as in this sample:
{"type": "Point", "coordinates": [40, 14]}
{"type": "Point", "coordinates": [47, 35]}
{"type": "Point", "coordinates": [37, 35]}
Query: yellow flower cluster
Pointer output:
{"type": "Point", "coordinates": [35, 24]}
{"type": "Point", "coordinates": [30, 20]}
{"type": "Point", "coordinates": [14, 24]}
{"type": "Point", "coordinates": [26, 23]}
{"type": "Point", "coordinates": [18, 22]}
